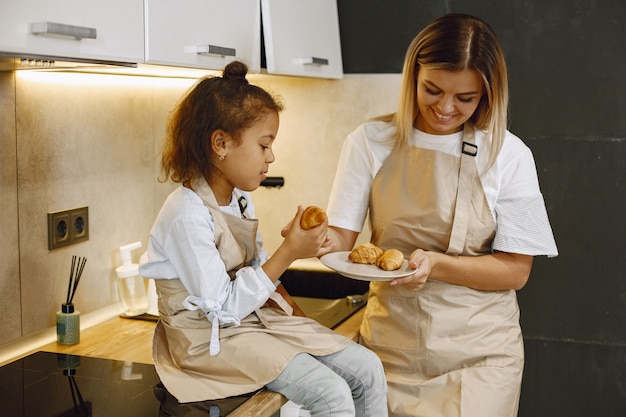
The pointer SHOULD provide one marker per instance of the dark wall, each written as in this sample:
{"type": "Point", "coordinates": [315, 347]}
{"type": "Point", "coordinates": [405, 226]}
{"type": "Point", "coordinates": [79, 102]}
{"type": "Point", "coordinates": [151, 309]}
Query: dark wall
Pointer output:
{"type": "Point", "coordinates": [567, 75]}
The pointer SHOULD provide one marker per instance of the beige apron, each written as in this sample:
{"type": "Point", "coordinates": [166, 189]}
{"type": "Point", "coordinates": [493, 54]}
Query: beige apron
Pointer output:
{"type": "Point", "coordinates": [252, 353]}
{"type": "Point", "coordinates": [448, 350]}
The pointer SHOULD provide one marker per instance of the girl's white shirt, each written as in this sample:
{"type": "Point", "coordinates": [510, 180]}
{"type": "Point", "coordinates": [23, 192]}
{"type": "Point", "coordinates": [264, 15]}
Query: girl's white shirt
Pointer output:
{"type": "Point", "coordinates": [182, 245]}
{"type": "Point", "coordinates": [510, 185]}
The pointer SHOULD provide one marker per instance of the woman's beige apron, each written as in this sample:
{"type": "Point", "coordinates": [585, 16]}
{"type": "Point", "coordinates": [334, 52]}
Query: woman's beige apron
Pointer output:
{"type": "Point", "coordinates": [448, 350]}
{"type": "Point", "coordinates": [253, 353]}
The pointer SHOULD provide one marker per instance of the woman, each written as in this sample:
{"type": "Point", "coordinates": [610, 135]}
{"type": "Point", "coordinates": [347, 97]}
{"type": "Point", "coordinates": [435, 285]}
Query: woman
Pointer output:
{"type": "Point", "coordinates": [224, 329]}
{"type": "Point", "coordinates": [449, 186]}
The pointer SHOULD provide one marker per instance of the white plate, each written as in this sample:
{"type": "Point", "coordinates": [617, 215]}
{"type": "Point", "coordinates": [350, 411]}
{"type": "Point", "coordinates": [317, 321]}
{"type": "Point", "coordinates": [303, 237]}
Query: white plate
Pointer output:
{"type": "Point", "coordinates": [339, 262]}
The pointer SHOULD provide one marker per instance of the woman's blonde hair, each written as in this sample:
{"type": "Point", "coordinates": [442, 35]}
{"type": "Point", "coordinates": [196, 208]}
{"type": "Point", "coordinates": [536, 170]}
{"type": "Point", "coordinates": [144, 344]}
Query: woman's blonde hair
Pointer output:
{"type": "Point", "coordinates": [456, 42]}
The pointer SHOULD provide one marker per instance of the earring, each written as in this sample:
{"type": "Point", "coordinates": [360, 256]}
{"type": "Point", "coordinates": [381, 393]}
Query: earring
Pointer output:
{"type": "Point", "coordinates": [222, 157]}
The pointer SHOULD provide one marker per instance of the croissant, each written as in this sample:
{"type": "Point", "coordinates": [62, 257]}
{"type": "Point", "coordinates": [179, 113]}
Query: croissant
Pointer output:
{"type": "Point", "coordinates": [311, 217]}
{"type": "Point", "coordinates": [366, 253]}
{"type": "Point", "coordinates": [390, 260]}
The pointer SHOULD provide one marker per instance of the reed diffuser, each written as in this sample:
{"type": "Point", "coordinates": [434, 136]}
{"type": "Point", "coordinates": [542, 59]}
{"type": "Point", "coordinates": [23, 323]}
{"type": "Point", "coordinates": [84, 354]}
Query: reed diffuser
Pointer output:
{"type": "Point", "coordinates": [68, 319]}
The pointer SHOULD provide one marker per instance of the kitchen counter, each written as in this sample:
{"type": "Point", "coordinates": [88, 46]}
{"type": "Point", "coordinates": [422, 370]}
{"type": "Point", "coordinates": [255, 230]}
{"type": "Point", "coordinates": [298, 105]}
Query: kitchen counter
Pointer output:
{"type": "Point", "coordinates": [131, 340]}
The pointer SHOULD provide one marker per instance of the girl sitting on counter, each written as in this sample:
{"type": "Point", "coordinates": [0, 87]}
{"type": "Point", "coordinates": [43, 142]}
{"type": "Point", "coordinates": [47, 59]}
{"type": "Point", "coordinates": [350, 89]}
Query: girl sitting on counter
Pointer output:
{"type": "Point", "coordinates": [224, 328]}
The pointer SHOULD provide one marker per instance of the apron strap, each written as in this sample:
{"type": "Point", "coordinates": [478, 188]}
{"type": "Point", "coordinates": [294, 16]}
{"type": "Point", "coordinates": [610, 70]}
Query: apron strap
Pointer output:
{"type": "Point", "coordinates": [464, 192]}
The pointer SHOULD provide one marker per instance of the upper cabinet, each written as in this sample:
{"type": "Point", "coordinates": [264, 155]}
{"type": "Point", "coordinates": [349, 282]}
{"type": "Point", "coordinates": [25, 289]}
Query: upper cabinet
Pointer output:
{"type": "Point", "coordinates": [302, 38]}
{"type": "Point", "coordinates": [99, 30]}
{"type": "Point", "coordinates": [203, 33]}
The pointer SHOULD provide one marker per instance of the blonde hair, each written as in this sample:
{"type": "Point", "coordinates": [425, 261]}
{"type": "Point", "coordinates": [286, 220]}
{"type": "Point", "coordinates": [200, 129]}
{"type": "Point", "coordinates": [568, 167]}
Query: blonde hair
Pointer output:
{"type": "Point", "coordinates": [456, 42]}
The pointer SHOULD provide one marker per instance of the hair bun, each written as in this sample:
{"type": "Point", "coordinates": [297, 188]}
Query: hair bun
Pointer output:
{"type": "Point", "coordinates": [236, 70]}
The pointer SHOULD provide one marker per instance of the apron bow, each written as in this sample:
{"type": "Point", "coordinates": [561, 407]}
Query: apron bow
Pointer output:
{"type": "Point", "coordinates": [213, 311]}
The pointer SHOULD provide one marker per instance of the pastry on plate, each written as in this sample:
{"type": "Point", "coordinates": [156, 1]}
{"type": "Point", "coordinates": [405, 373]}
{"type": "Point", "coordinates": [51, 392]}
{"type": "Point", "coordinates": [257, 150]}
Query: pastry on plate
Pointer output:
{"type": "Point", "coordinates": [390, 260]}
{"type": "Point", "coordinates": [366, 253]}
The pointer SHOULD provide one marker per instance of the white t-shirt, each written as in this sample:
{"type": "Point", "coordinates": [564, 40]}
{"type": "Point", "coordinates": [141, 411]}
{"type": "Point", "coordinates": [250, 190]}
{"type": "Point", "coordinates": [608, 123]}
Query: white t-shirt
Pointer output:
{"type": "Point", "coordinates": [182, 245]}
{"type": "Point", "coordinates": [510, 185]}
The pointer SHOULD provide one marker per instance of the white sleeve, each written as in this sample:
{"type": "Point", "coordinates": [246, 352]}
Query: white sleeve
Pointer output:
{"type": "Point", "coordinates": [349, 197]}
{"type": "Point", "coordinates": [521, 216]}
{"type": "Point", "coordinates": [189, 245]}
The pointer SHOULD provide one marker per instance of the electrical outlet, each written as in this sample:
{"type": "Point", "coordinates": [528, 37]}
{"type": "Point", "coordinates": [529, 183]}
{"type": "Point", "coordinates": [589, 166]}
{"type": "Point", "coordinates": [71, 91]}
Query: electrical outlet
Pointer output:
{"type": "Point", "coordinates": [67, 227]}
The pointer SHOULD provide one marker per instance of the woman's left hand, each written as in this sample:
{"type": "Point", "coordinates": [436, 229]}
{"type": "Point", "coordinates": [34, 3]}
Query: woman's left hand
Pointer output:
{"type": "Point", "coordinates": [421, 263]}
{"type": "Point", "coordinates": [327, 247]}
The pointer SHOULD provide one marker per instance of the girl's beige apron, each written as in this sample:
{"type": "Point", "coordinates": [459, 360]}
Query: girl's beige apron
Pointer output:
{"type": "Point", "coordinates": [448, 350]}
{"type": "Point", "coordinates": [253, 353]}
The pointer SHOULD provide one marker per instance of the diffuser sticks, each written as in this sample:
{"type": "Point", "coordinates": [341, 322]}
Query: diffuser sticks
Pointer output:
{"type": "Point", "coordinates": [76, 271]}
{"type": "Point", "coordinates": [68, 320]}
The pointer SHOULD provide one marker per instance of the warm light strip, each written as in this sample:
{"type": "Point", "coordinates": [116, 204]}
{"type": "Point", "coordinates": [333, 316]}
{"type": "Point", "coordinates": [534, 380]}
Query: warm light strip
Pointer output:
{"type": "Point", "coordinates": [101, 80]}
{"type": "Point", "coordinates": [149, 76]}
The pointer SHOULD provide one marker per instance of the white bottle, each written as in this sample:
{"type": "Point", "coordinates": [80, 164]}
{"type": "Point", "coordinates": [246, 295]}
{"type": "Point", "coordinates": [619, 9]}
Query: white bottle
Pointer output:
{"type": "Point", "coordinates": [132, 287]}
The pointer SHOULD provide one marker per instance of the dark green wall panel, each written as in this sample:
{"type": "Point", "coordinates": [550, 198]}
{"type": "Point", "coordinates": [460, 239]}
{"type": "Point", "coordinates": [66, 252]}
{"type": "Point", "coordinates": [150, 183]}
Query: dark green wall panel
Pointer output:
{"type": "Point", "coordinates": [567, 77]}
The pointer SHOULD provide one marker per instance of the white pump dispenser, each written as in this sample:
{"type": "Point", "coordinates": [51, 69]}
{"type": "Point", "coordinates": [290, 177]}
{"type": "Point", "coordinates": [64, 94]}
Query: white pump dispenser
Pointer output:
{"type": "Point", "coordinates": [132, 287]}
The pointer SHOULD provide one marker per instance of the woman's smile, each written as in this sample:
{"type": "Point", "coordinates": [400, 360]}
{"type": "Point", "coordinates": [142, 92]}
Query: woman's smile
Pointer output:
{"type": "Point", "coordinates": [443, 118]}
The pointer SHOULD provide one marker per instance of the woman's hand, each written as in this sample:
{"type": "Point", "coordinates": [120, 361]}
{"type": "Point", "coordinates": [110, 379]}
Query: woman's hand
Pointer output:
{"type": "Point", "coordinates": [491, 272]}
{"type": "Point", "coordinates": [421, 263]}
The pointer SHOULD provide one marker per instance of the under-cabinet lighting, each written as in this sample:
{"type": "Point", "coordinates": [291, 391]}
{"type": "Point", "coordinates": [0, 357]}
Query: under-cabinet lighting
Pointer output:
{"type": "Point", "coordinates": [102, 79]}
{"type": "Point", "coordinates": [152, 75]}
{"type": "Point", "coordinates": [141, 70]}
{"type": "Point", "coordinates": [159, 71]}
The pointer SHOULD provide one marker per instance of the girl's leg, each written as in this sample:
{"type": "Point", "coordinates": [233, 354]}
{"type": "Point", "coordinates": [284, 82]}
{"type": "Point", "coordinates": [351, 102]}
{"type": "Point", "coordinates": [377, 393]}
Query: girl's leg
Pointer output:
{"type": "Point", "coordinates": [364, 373]}
{"type": "Point", "coordinates": [311, 384]}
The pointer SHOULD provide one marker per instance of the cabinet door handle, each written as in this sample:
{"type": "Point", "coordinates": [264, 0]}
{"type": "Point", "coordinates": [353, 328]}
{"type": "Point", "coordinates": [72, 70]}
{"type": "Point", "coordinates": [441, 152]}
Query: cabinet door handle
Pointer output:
{"type": "Point", "coordinates": [60, 29]}
{"type": "Point", "coordinates": [210, 50]}
{"type": "Point", "coordinates": [311, 61]}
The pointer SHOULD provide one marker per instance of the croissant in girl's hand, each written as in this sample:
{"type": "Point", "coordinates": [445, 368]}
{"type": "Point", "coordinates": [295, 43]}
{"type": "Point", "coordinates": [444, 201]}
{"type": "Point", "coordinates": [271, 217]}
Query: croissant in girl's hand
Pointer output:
{"type": "Point", "coordinates": [312, 217]}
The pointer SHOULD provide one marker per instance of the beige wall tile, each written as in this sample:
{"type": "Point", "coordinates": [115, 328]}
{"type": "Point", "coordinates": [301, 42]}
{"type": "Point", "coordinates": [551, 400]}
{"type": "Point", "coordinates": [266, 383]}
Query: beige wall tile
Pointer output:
{"type": "Point", "coordinates": [83, 140]}
{"type": "Point", "coordinates": [10, 325]}
{"type": "Point", "coordinates": [318, 116]}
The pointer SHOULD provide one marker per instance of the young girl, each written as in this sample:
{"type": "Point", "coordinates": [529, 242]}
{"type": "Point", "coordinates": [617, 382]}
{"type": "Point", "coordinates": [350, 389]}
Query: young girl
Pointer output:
{"type": "Point", "coordinates": [223, 328]}
{"type": "Point", "coordinates": [449, 186]}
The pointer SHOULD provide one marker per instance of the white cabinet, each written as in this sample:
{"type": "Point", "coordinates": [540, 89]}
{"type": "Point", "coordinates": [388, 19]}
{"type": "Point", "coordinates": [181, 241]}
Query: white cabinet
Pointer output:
{"type": "Point", "coordinates": [110, 30]}
{"type": "Point", "coordinates": [203, 33]}
{"type": "Point", "coordinates": [302, 38]}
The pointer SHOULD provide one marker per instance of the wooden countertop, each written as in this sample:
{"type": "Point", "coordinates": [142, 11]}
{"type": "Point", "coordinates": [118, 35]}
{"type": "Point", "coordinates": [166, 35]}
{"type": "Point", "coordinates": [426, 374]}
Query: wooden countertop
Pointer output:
{"type": "Point", "coordinates": [117, 339]}
{"type": "Point", "coordinates": [131, 340]}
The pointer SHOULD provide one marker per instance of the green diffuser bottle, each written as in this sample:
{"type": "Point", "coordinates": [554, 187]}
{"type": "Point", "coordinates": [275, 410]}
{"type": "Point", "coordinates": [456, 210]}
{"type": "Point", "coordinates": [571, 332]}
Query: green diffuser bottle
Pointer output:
{"type": "Point", "coordinates": [68, 319]}
{"type": "Point", "coordinates": [68, 325]}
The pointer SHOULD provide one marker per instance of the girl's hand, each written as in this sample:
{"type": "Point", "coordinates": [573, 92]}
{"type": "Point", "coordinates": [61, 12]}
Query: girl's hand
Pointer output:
{"type": "Point", "coordinates": [285, 229]}
{"type": "Point", "coordinates": [298, 244]}
{"type": "Point", "coordinates": [306, 243]}
{"type": "Point", "coordinates": [421, 262]}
